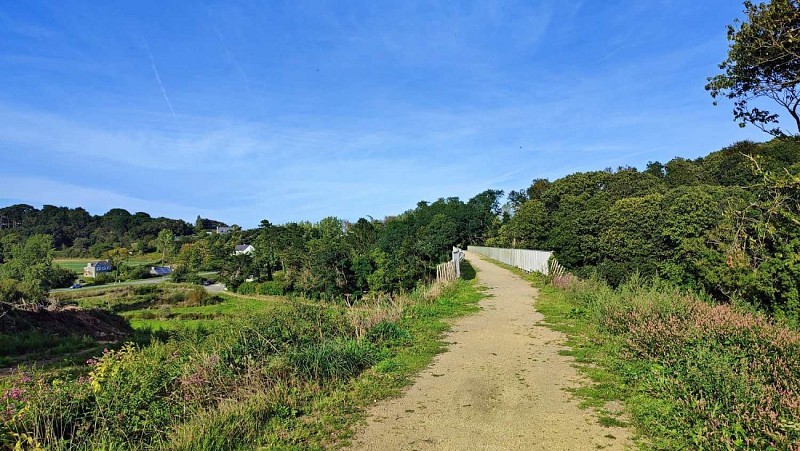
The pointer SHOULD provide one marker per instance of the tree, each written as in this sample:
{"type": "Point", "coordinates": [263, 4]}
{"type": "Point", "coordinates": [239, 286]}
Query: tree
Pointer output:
{"type": "Point", "coordinates": [199, 227]}
{"type": "Point", "coordinates": [165, 243]}
{"type": "Point", "coordinates": [117, 257]}
{"type": "Point", "coordinates": [265, 256]}
{"type": "Point", "coordinates": [29, 273]}
{"type": "Point", "coordinates": [763, 62]}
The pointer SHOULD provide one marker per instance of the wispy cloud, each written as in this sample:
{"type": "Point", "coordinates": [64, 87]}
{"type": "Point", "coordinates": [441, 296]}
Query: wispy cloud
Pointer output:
{"type": "Point", "coordinates": [161, 85]}
{"type": "Point", "coordinates": [343, 109]}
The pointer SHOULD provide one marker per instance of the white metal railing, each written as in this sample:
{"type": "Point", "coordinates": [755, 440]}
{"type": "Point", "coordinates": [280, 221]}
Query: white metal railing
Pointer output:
{"type": "Point", "coordinates": [526, 259]}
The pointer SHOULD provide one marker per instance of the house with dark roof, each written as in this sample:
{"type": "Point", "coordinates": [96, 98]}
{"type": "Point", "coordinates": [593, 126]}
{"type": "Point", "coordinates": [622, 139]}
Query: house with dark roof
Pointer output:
{"type": "Point", "coordinates": [160, 271]}
{"type": "Point", "coordinates": [92, 269]}
{"type": "Point", "coordinates": [243, 249]}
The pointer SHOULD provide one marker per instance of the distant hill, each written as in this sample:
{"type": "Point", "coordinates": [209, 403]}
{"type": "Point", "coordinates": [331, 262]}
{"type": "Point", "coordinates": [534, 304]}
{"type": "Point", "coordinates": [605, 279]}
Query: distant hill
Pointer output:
{"type": "Point", "coordinates": [76, 233]}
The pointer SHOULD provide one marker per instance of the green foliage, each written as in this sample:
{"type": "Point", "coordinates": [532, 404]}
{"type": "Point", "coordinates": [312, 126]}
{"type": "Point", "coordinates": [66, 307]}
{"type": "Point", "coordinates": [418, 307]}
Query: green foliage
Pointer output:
{"type": "Point", "coordinates": [28, 272]}
{"type": "Point", "coordinates": [762, 261]}
{"type": "Point", "coordinates": [76, 233]}
{"type": "Point", "coordinates": [41, 343]}
{"type": "Point", "coordinates": [725, 224]}
{"type": "Point", "coordinates": [271, 288]}
{"type": "Point", "coordinates": [294, 377]}
{"type": "Point", "coordinates": [336, 360]}
{"type": "Point", "coordinates": [763, 62]}
{"type": "Point", "coordinates": [692, 375]}
{"type": "Point", "coordinates": [165, 244]}
{"type": "Point", "coordinates": [631, 239]}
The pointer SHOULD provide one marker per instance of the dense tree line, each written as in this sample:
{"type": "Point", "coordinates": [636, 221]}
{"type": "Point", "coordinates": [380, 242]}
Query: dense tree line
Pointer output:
{"type": "Point", "coordinates": [726, 223]}
{"type": "Point", "coordinates": [331, 259]}
{"type": "Point", "coordinates": [76, 233]}
{"type": "Point", "coordinates": [336, 258]}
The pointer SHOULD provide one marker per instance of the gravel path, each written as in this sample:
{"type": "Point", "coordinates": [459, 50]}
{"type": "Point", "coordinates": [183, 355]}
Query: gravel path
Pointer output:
{"type": "Point", "coordinates": [501, 385]}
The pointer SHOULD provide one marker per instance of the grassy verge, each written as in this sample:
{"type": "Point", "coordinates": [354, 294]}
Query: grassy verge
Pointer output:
{"type": "Point", "coordinates": [404, 352]}
{"type": "Point", "coordinates": [298, 376]}
{"type": "Point", "coordinates": [691, 375]}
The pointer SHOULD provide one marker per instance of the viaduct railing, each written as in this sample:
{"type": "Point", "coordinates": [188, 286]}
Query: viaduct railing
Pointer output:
{"type": "Point", "coordinates": [450, 271]}
{"type": "Point", "coordinates": [525, 259]}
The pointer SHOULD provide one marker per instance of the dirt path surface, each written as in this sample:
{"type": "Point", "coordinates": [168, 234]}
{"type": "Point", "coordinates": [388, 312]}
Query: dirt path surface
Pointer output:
{"type": "Point", "coordinates": [499, 386]}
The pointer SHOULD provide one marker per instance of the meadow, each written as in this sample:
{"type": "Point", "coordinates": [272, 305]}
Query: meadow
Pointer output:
{"type": "Point", "coordinates": [229, 372]}
{"type": "Point", "coordinates": [76, 265]}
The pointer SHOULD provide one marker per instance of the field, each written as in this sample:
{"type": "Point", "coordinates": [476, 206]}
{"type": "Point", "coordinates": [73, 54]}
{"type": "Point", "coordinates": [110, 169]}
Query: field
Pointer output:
{"type": "Point", "coordinates": [228, 371]}
{"type": "Point", "coordinates": [77, 264]}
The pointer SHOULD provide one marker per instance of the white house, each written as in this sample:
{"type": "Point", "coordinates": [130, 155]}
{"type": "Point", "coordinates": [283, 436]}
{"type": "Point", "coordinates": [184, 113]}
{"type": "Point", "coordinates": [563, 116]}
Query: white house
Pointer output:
{"type": "Point", "coordinates": [94, 268]}
{"type": "Point", "coordinates": [243, 249]}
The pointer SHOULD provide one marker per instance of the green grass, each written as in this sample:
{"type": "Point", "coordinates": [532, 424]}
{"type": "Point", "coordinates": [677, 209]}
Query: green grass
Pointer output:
{"type": "Point", "coordinates": [682, 372]}
{"type": "Point", "coordinates": [77, 264]}
{"type": "Point", "coordinates": [273, 373]}
{"type": "Point", "coordinates": [38, 342]}
{"type": "Point", "coordinates": [334, 414]}
{"type": "Point", "coordinates": [174, 317]}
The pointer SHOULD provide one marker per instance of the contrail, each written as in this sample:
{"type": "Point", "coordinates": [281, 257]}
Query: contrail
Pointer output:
{"type": "Point", "coordinates": [228, 52]}
{"type": "Point", "coordinates": [161, 85]}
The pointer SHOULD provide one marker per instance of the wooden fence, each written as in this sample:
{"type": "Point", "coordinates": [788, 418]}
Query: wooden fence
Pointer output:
{"type": "Point", "coordinates": [446, 272]}
{"type": "Point", "coordinates": [450, 271]}
{"type": "Point", "coordinates": [526, 259]}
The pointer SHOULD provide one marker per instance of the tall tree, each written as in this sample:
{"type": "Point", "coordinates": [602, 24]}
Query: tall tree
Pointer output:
{"type": "Point", "coordinates": [117, 257]}
{"type": "Point", "coordinates": [165, 243]}
{"type": "Point", "coordinates": [763, 62]}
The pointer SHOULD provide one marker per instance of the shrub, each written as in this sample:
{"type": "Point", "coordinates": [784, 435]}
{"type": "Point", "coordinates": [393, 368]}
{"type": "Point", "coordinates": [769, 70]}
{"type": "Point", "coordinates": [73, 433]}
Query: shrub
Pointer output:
{"type": "Point", "coordinates": [131, 390]}
{"type": "Point", "coordinates": [191, 388]}
{"type": "Point", "coordinates": [732, 377]}
{"type": "Point", "coordinates": [196, 296]}
{"type": "Point", "coordinates": [271, 288]}
{"type": "Point", "coordinates": [247, 288]}
{"type": "Point", "coordinates": [176, 297]}
{"type": "Point", "coordinates": [103, 278]}
{"type": "Point", "coordinates": [137, 272]}
{"type": "Point", "coordinates": [140, 290]}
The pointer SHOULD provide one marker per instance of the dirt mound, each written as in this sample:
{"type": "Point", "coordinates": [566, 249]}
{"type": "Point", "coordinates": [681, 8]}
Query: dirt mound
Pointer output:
{"type": "Point", "coordinates": [94, 323]}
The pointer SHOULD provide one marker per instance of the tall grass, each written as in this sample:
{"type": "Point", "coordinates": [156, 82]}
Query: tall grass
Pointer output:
{"type": "Point", "coordinates": [293, 377]}
{"type": "Point", "coordinates": [41, 343]}
{"type": "Point", "coordinates": [696, 375]}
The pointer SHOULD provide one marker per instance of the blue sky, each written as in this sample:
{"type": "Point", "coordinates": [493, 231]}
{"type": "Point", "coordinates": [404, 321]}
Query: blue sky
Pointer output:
{"type": "Point", "coordinates": [298, 110]}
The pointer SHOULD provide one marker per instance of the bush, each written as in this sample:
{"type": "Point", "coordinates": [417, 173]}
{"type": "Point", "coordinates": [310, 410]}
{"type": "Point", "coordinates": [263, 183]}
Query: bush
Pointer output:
{"type": "Point", "coordinates": [103, 278]}
{"type": "Point", "coordinates": [177, 297]}
{"type": "Point", "coordinates": [271, 288]}
{"type": "Point", "coordinates": [131, 389]}
{"type": "Point", "coordinates": [140, 290]}
{"type": "Point", "coordinates": [196, 296]}
{"type": "Point", "coordinates": [731, 377]}
{"type": "Point", "coordinates": [247, 288]}
{"type": "Point", "coordinates": [137, 272]}
{"type": "Point", "coordinates": [174, 387]}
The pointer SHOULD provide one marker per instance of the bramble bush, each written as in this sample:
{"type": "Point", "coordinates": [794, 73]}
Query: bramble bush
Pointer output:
{"type": "Point", "coordinates": [731, 376]}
